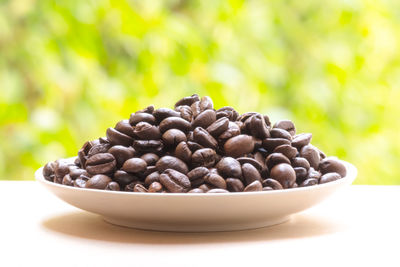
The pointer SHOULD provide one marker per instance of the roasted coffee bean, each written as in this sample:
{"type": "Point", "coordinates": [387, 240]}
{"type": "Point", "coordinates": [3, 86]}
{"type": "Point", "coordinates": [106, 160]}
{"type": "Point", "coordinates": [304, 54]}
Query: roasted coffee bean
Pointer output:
{"type": "Point", "coordinates": [280, 133]}
{"type": "Point", "coordinates": [113, 186]}
{"type": "Point", "coordinates": [163, 113]}
{"type": "Point", "coordinates": [239, 145]}
{"type": "Point", "coordinates": [197, 175]}
{"type": "Point", "coordinates": [174, 123]}
{"type": "Point", "coordinates": [300, 162]}
{"type": "Point", "coordinates": [117, 138]}
{"type": "Point", "coordinates": [98, 181]}
{"type": "Point", "coordinates": [314, 174]}
{"type": "Point", "coordinates": [234, 185]}
{"type": "Point", "coordinates": [102, 163]}
{"type": "Point", "coordinates": [196, 191]}
{"type": "Point", "coordinates": [125, 128]}
{"type": "Point", "coordinates": [227, 112]}
{"type": "Point", "coordinates": [98, 148]}
{"type": "Point", "coordinates": [229, 167]}
{"type": "Point", "coordinates": [175, 181]}
{"type": "Point", "coordinates": [204, 119]}
{"type": "Point", "coordinates": [183, 152]}
{"type": "Point", "coordinates": [254, 186]}
{"type": "Point", "coordinates": [309, 182]}
{"type": "Point", "coordinates": [329, 177]}
{"type": "Point", "coordinates": [301, 173]}
{"type": "Point", "coordinates": [148, 109]}
{"type": "Point", "coordinates": [204, 157]}
{"type": "Point", "coordinates": [218, 127]}
{"type": "Point", "coordinates": [75, 173]}
{"type": "Point", "coordinates": [267, 188]}
{"type": "Point", "coordinates": [286, 125]}
{"type": "Point", "coordinates": [149, 170]}
{"type": "Point", "coordinates": [295, 185]}
{"type": "Point", "coordinates": [148, 146]}
{"type": "Point", "coordinates": [169, 162]}
{"type": "Point", "coordinates": [139, 188]}
{"type": "Point", "coordinates": [284, 174]}
{"type": "Point", "coordinates": [321, 154]}
{"type": "Point", "coordinates": [332, 164]}
{"type": "Point", "coordinates": [81, 183]}
{"type": "Point", "coordinates": [61, 169]}
{"type": "Point", "coordinates": [173, 137]}
{"type": "Point", "coordinates": [185, 112]}
{"type": "Point", "coordinates": [155, 187]}
{"type": "Point", "coordinates": [123, 178]}
{"type": "Point", "coordinates": [141, 117]}
{"type": "Point", "coordinates": [275, 159]}
{"type": "Point", "coordinates": [254, 162]}
{"type": "Point", "coordinates": [206, 103]}
{"type": "Point", "coordinates": [245, 116]}
{"type": "Point", "coordinates": [215, 180]}
{"type": "Point", "coordinates": [217, 190]}
{"type": "Point", "coordinates": [301, 140]}
{"type": "Point", "coordinates": [271, 143]}
{"type": "Point", "coordinates": [150, 158]}
{"type": "Point", "coordinates": [257, 127]}
{"type": "Point", "coordinates": [121, 154]}
{"type": "Point", "coordinates": [134, 165]}
{"type": "Point", "coordinates": [193, 146]}
{"type": "Point", "coordinates": [130, 187]}
{"type": "Point", "coordinates": [146, 131]}
{"type": "Point", "coordinates": [311, 154]}
{"type": "Point", "coordinates": [48, 171]}
{"type": "Point", "coordinates": [274, 184]}
{"type": "Point", "coordinates": [233, 130]}
{"type": "Point", "coordinates": [188, 100]}
{"type": "Point", "coordinates": [67, 180]}
{"type": "Point", "coordinates": [151, 178]}
{"type": "Point", "coordinates": [287, 150]}
{"type": "Point", "coordinates": [250, 173]}
{"type": "Point", "coordinates": [202, 137]}
{"type": "Point", "coordinates": [205, 188]}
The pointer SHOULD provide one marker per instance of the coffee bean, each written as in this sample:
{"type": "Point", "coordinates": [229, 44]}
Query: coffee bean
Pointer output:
{"type": "Point", "coordinates": [146, 131]}
{"type": "Point", "coordinates": [155, 187]}
{"type": "Point", "coordinates": [193, 146]}
{"type": "Point", "coordinates": [123, 178]}
{"type": "Point", "coordinates": [280, 133]}
{"type": "Point", "coordinates": [274, 184]}
{"type": "Point", "coordinates": [202, 137]}
{"type": "Point", "coordinates": [67, 180]}
{"type": "Point", "coordinates": [131, 187]}
{"type": "Point", "coordinates": [267, 188]}
{"type": "Point", "coordinates": [218, 127]}
{"type": "Point", "coordinates": [275, 159]}
{"type": "Point", "coordinates": [227, 112]}
{"type": "Point", "coordinates": [301, 140]}
{"type": "Point", "coordinates": [102, 163]}
{"type": "Point", "coordinates": [204, 119]}
{"type": "Point", "coordinates": [239, 145]}
{"type": "Point", "coordinates": [98, 148]}
{"type": "Point", "coordinates": [125, 128]}
{"type": "Point", "coordinates": [196, 191]}
{"type": "Point", "coordinates": [141, 117]}
{"type": "Point", "coordinates": [300, 162]}
{"type": "Point", "coordinates": [139, 188]}
{"type": "Point", "coordinates": [163, 113]}
{"type": "Point", "coordinates": [271, 143]}
{"type": "Point", "coordinates": [314, 174]}
{"type": "Point", "coordinates": [75, 173]}
{"type": "Point", "coordinates": [215, 180]}
{"type": "Point", "coordinates": [112, 186]}
{"type": "Point", "coordinates": [332, 164]}
{"type": "Point", "coordinates": [284, 174]}
{"type": "Point", "coordinates": [197, 175]}
{"type": "Point", "coordinates": [188, 100]}
{"type": "Point", "coordinates": [173, 137]}
{"type": "Point", "coordinates": [149, 170]}
{"type": "Point", "coordinates": [174, 123]}
{"type": "Point", "coordinates": [204, 157]}
{"type": "Point", "coordinates": [117, 138]}
{"type": "Point", "coordinates": [151, 178]}
{"type": "Point", "coordinates": [134, 165]}
{"type": "Point", "coordinates": [169, 162]}
{"type": "Point", "coordinates": [175, 181]}
{"type": "Point", "coordinates": [80, 182]}
{"type": "Point", "coordinates": [250, 173]}
{"type": "Point", "coordinates": [218, 190]}
{"type": "Point", "coordinates": [301, 174]}
{"type": "Point", "coordinates": [233, 130]}
{"type": "Point", "coordinates": [309, 182]}
{"type": "Point", "coordinates": [254, 162]}
{"type": "Point", "coordinates": [148, 146]}
{"type": "Point", "coordinates": [48, 171]}
{"type": "Point", "coordinates": [183, 152]}
{"type": "Point", "coordinates": [229, 167]}
{"type": "Point", "coordinates": [311, 154]}
{"type": "Point", "coordinates": [287, 150]}
{"type": "Point", "coordinates": [329, 177]}
{"type": "Point", "coordinates": [254, 186]}
{"type": "Point", "coordinates": [286, 125]}
{"type": "Point", "coordinates": [150, 158]}
{"type": "Point", "coordinates": [186, 112]}
{"type": "Point", "coordinates": [234, 185]}
{"type": "Point", "coordinates": [148, 109]}
{"type": "Point", "coordinates": [98, 181]}
{"type": "Point", "coordinates": [121, 154]}
{"type": "Point", "coordinates": [257, 127]}
{"type": "Point", "coordinates": [205, 188]}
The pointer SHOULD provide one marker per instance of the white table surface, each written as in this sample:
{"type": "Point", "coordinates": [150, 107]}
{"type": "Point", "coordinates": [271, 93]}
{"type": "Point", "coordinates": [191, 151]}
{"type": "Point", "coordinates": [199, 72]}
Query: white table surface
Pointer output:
{"type": "Point", "coordinates": [359, 226]}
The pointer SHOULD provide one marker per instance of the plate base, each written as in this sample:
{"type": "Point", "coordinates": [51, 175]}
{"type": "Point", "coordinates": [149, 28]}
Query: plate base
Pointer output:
{"type": "Point", "coordinates": [195, 228]}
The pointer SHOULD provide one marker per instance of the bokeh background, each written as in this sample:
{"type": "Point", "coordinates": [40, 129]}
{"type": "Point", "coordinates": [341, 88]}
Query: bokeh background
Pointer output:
{"type": "Point", "coordinates": [70, 69]}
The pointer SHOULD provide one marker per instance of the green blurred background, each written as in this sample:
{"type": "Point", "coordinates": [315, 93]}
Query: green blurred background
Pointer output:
{"type": "Point", "coordinates": [70, 69]}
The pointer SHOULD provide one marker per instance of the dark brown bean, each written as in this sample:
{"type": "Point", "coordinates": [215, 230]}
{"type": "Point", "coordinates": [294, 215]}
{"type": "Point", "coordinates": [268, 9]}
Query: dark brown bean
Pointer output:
{"type": "Point", "coordinates": [217, 190]}
{"type": "Point", "coordinates": [197, 175]}
{"type": "Point", "coordinates": [117, 138]}
{"type": "Point", "coordinates": [173, 137]}
{"type": "Point", "coordinates": [272, 183]}
{"type": "Point", "coordinates": [215, 180]}
{"type": "Point", "coordinates": [284, 174]}
{"type": "Point", "coordinates": [113, 186]}
{"type": "Point", "coordinates": [329, 177]}
{"type": "Point", "coordinates": [271, 143]}
{"type": "Point", "coordinates": [218, 127]}
{"type": "Point", "coordinates": [301, 140]}
{"type": "Point", "coordinates": [300, 162]}
{"type": "Point", "coordinates": [174, 181]}
{"type": "Point", "coordinates": [98, 181]}
{"type": "Point", "coordinates": [148, 146]}
{"type": "Point", "coordinates": [169, 162]}
{"type": "Point", "coordinates": [146, 131]}
{"type": "Point", "coordinates": [287, 150]}
{"type": "Point", "coordinates": [174, 123]}
{"type": "Point", "coordinates": [121, 154]}
{"type": "Point", "coordinates": [239, 145]}
{"type": "Point", "coordinates": [204, 119]}
{"type": "Point", "coordinates": [280, 133]}
{"type": "Point", "coordinates": [202, 137]}
{"type": "Point", "coordinates": [234, 185]}
{"type": "Point", "coordinates": [102, 163]}
{"type": "Point", "coordinates": [229, 167]}
{"type": "Point", "coordinates": [309, 182]}
{"type": "Point", "coordinates": [123, 178]}
{"type": "Point", "coordinates": [134, 165]}
{"type": "Point", "coordinates": [227, 112]}
{"type": "Point", "coordinates": [286, 125]}
{"type": "Point", "coordinates": [151, 178]}
{"type": "Point", "coordinates": [275, 159]}
{"type": "Point", "coordinates": [163, 113]}
{"type": "Point", "coordinates": [137, 117]}
{"type": "Point", "coordinates": [311, 154]}
{"type": "Point", "coordinates": [183, 152]}
{"type": "Point", "coordinates": [332, 164]}
{"type": "Point", "coordinates": [188, 100]}
{"type": "Point", "coordinates": [155, 187]}
{"type": "Point", "coordinates": [254, 186]}
{"type": "Point", "coordinates": [139, 188]}
{"type": "Point", "coordinates": [257, 127]}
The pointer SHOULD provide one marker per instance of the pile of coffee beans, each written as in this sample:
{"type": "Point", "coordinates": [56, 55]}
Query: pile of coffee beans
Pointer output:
{"type": "Point", "coordinates": [195, 148]}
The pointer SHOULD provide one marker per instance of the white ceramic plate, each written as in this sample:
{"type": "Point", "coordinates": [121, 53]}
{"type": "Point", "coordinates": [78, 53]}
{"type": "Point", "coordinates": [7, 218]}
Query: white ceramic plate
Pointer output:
{"type": "Point", "coordinates": [197, 212]}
